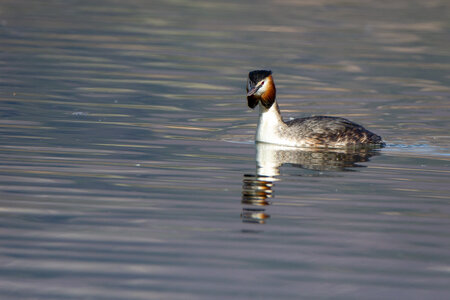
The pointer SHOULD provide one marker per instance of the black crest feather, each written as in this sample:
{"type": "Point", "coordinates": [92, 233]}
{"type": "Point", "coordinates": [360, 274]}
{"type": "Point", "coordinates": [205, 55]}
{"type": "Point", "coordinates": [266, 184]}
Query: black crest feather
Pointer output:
{"type": "Point", "coordinates": [258, 75]}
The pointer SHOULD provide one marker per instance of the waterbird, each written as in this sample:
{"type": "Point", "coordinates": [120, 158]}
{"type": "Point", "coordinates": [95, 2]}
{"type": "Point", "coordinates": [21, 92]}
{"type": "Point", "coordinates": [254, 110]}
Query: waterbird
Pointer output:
{"type": "Point", "coordinates": [317, 131]}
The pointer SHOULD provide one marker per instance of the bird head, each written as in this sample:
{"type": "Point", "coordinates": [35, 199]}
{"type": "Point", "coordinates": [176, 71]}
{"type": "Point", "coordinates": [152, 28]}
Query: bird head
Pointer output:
{"type": "Point", "coordinates": [260, 88]}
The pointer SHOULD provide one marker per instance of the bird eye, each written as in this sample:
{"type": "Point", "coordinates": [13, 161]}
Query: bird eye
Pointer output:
{"type": "Point", "coordinates": [262, 82]}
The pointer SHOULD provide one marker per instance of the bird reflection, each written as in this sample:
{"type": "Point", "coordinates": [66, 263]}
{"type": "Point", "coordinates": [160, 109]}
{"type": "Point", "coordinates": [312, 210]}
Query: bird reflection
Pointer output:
{"type": "Point", "coordinates": [257, 190]}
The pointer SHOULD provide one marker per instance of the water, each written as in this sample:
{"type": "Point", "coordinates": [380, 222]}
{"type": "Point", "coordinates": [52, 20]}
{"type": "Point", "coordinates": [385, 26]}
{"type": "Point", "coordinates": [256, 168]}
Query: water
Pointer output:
{"type": "Point", "coordinates": [128, 168]}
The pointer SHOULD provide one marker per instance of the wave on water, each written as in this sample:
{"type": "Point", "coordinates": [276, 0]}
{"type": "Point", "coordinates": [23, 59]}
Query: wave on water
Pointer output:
{"type": "Point", "coordinates": [417, 149]}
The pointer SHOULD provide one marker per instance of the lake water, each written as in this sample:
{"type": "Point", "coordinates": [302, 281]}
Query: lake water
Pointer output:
{"type": "Point", "coordinates": [128, 168]}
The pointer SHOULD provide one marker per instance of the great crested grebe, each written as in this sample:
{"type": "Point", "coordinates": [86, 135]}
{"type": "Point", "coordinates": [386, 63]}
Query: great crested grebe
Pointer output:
{"type": "Point", "coordinates": [319, 131]}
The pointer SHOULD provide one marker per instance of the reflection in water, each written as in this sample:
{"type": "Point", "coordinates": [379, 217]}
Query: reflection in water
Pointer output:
{"type": "Point", "coordinates": [257, 190]}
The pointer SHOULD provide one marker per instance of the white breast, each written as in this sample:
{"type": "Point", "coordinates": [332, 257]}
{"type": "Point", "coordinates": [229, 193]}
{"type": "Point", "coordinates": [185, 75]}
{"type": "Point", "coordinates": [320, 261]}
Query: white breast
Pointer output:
{"type": "Point", "coordinates": [270, 126]}
{"type": "Point", "coordinates": [271, 129]}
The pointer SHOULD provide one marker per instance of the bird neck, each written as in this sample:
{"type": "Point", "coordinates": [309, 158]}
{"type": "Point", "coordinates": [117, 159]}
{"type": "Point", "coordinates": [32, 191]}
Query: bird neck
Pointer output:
{"type": "Point", "coordinates": [270, 124]}
{"type": "Point", "coordinates": [271, 114]}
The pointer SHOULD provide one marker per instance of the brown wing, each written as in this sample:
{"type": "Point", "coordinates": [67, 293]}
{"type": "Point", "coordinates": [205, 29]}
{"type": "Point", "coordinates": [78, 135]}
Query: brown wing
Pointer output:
{"type": "Point", "coordinates": [329, 130]}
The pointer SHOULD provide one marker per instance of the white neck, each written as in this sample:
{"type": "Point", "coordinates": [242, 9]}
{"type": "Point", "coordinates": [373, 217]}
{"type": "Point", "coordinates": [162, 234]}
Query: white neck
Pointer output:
{"type": "Point", "coordinates": [270, 125]}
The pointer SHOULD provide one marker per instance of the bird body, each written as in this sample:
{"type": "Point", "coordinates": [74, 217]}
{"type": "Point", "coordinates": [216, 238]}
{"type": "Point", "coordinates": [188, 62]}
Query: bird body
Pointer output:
{"type": "Point", "coordinates": [318, 131]}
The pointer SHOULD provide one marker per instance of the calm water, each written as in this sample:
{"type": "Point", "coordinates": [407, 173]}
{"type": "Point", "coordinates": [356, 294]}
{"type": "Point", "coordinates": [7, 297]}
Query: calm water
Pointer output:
{"type": "Point", "coordinates": [128, 168]}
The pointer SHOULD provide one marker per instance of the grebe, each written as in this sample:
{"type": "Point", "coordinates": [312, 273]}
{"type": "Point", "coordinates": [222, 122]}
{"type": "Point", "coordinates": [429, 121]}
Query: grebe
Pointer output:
{"type": "Point", "coordinates": [319, 131]}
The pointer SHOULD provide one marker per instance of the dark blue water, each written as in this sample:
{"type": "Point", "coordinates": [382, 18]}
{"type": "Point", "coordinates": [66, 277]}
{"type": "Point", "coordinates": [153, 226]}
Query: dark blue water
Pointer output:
{"type": "Point", "coordinates": [128, 168]}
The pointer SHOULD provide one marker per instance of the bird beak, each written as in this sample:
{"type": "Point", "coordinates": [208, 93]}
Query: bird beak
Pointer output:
{"type": "Point", "coordinates": [253, 90]}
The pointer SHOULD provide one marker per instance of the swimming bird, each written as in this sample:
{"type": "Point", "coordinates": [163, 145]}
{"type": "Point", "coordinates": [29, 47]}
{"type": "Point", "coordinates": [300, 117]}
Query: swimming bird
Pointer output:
{"type": "Point", "coordinates": [318, 131]}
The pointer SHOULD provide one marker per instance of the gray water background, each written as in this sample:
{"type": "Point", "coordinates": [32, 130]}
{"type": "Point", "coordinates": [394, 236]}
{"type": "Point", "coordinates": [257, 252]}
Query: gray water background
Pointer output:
{"type": "Point", "coordinates": [128, 168]}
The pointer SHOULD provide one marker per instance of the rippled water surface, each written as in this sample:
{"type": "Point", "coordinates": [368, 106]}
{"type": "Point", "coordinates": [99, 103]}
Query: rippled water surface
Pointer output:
{"type": "Point", "coordinates": [128, 168]}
